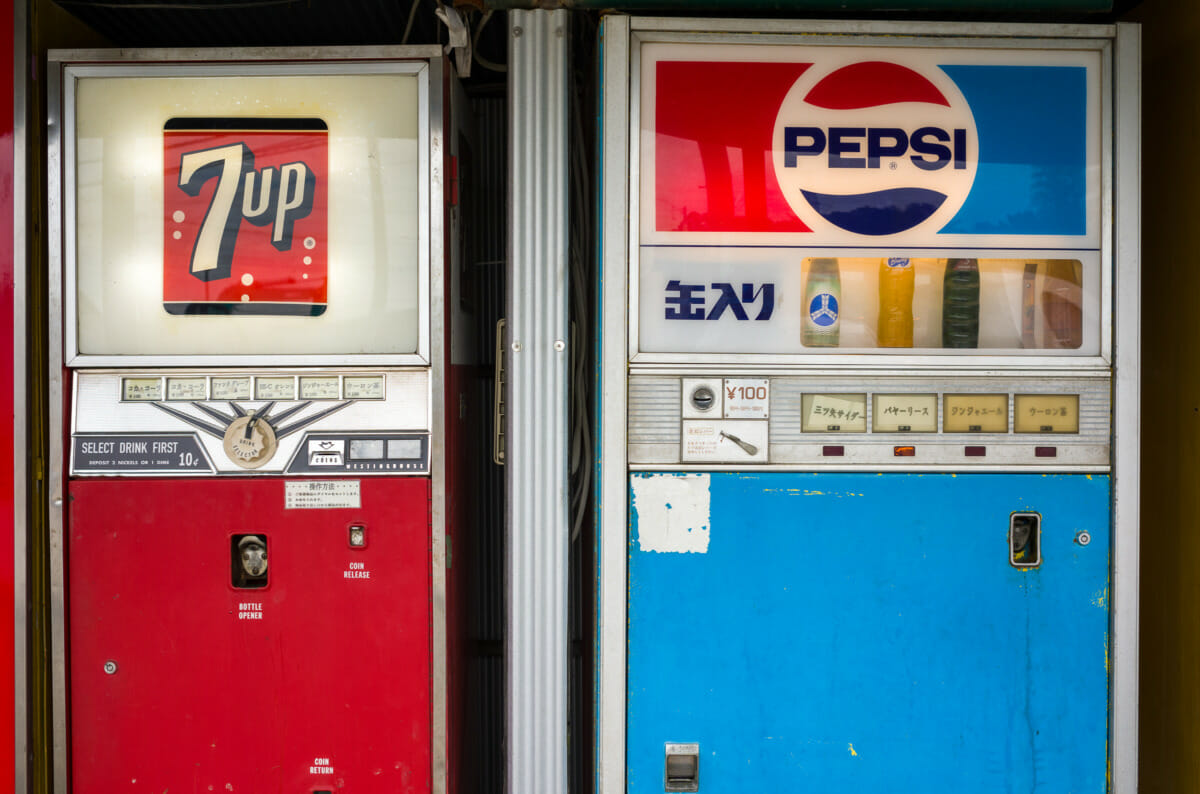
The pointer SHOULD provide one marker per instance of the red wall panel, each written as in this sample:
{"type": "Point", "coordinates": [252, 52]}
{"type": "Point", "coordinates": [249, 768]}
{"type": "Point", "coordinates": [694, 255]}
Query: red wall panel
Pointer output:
{"type": "Point", "coordinates": [8, 194]}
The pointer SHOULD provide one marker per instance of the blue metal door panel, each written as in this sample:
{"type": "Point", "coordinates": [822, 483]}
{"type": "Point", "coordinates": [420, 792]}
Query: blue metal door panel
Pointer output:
{"type": "Point", "coordinates": [866, 633]}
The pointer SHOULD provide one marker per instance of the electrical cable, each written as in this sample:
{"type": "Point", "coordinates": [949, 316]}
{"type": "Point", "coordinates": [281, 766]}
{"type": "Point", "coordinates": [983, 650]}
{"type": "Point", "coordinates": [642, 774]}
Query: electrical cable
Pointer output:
{"type": "Point", "coordinates": [479, 59]}
{"type": "Point", "coordinates": [579, 235]}
{"type": "Point", "coordinates": [412, 15]}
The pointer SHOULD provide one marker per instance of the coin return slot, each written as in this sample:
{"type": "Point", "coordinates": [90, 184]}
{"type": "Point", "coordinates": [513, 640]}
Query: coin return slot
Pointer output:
{"type": "Point", "coordinates": [248, 568]}
{"type": "Point", "coordinates": [975, 452]}
{"type": "Point", "coordinates": [1025, 540]}
{"type": "Point", "coordinates": [833, 452]}
{"type": "Point", "coordinates": [904, 452]}
{"type": "Point", "coordinates": [682, 771]}
{"type": "Point", "coordinates": [1045, 452]}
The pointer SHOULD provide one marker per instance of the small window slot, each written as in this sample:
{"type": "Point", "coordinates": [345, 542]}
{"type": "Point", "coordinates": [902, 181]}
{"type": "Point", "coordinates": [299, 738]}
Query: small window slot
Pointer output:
{"type": "Point", "coordinates": [248, 564]}
{"type": "Point", "coordinates": [1025, 540]}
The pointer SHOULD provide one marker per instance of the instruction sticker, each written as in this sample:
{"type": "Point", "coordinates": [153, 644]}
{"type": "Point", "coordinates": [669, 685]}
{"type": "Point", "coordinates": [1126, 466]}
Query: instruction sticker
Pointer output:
{"type": "Point", "coordinates": [318, 494]}
{"type": "Point", "coordinates": [715, 441]}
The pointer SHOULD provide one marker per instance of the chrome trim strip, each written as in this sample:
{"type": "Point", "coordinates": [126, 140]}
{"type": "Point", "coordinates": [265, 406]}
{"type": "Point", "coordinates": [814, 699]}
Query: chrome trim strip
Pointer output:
{"type": "Point", "coordinates": [55, 467]}
{"type": "Point", "coordinates": [1123, 743]}
{"type": "Point", "coordinates": [433, 330]}
{"type": "Point", "coordinates": [849, 27]}
{"type": "Point", "coordinates": [611, 408]}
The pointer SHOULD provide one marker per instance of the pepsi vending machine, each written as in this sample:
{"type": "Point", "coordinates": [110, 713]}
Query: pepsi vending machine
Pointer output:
{"type": "Point", "coordinates": [869, 436]}
{"type": "Point", "coordinates": [250, 500]}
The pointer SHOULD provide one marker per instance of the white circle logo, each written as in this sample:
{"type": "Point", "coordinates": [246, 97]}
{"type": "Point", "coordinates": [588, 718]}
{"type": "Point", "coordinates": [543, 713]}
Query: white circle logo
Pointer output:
{"type": "Point", "coordinates": [875, 148]}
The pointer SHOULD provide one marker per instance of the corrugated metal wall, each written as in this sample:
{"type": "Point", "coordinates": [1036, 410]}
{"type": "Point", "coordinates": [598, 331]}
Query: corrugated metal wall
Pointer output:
{"type": "Point", "coordinates": [536, 457]}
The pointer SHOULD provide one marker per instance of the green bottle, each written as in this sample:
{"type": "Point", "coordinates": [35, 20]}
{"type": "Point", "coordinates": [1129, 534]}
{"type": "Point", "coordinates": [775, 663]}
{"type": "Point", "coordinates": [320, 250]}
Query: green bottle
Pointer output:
{"type": "Point", "coordinates": [960, 304]}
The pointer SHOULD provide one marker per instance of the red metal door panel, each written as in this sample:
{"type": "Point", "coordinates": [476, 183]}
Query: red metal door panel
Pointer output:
{"type": "Point", "coordinates": [12, 196]}
{"type": "Point", "coordinates": [326, 687]}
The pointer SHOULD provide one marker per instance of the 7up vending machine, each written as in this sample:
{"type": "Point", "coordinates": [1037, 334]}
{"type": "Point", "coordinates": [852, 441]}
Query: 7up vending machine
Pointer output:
{"type": "Point", "coordinates": [869, 426]}
{"type": "Point", "coordinates": [253, 295]}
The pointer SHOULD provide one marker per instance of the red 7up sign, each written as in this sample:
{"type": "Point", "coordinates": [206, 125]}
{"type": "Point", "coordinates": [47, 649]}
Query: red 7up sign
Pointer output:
{"type": "Point", "coordinates": [245, 206]}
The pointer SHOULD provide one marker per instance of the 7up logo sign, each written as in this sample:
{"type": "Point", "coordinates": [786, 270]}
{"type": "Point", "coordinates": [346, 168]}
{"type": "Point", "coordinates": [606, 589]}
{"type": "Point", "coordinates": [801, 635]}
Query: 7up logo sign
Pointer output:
{"type": "Point", "coordinates": [245, 216]}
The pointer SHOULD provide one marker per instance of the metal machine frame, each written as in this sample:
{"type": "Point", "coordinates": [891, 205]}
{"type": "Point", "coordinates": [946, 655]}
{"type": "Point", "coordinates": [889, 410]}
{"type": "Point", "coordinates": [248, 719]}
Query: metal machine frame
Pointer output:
{"type": "Point", "coordinates": [432, 334]}
{"type": "Point", "coordinates": [1119, 348]}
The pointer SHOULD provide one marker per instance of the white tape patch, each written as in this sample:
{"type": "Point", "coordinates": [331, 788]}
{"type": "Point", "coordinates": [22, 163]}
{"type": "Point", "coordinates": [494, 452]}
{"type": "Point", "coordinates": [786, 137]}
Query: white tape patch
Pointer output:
{"type": "Point", "coordinates": [672, 512]}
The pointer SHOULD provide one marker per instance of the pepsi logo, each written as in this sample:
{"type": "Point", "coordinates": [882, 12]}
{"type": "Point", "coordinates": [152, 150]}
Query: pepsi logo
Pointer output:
{"type": "Point", "coordinates": [875, 147]}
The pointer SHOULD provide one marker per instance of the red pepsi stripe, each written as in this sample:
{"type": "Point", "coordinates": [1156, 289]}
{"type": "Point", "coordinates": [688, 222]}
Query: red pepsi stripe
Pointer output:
{"type": "Point", "coordinates": [873, 83]}
{"type": "Point", "coordinates": [713, 168]}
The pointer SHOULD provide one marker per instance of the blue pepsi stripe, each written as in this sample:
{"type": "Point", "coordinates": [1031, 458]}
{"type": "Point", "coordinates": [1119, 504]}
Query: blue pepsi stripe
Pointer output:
{"type": "Point", "coordinates": [1032, 123]}
{"type": "Point", "coordinates": [878, 213]}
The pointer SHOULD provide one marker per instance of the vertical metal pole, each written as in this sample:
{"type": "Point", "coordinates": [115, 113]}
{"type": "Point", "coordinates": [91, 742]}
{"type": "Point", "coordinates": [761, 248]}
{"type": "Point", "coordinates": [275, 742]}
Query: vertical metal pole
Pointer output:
{"type": "Point", "coordinates": [1126, 408]}
{"type": "Point", "coordinates": [537, 525]}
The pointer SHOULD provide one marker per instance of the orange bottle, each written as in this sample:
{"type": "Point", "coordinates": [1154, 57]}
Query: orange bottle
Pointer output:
{"type": "Point", "coordinates": [896, 278]}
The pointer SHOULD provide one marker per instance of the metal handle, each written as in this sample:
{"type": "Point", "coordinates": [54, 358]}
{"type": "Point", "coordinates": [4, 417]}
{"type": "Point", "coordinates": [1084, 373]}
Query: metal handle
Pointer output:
{"type": "Point", "coordinates": [499, 408]}
{"type": "Point", "coordinates": [682, 767]}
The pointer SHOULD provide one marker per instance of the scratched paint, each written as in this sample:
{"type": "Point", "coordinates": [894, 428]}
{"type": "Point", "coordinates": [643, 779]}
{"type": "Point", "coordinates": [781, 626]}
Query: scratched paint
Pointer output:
{"type": "Point", "coordinates": [671, 513]}
{"type": "Point", "coordinates": [893, 617]}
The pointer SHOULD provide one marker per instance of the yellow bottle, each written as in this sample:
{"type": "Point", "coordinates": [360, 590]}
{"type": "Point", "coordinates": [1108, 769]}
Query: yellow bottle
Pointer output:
{"type": "Point", "coordinates": [896, 278]}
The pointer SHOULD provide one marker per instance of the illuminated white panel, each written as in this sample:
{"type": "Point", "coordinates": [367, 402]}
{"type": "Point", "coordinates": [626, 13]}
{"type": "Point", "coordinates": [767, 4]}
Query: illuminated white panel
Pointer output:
{"type": "Point", "coordinates": [374, 258]}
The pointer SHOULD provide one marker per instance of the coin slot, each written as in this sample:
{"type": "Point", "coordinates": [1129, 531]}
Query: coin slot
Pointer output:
{"type": "Point", "coordinates": [703, 398]}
